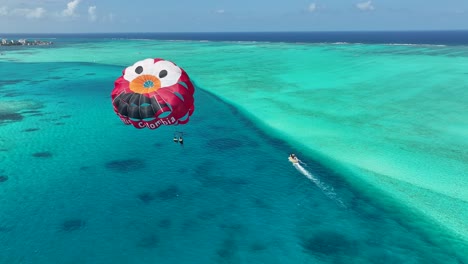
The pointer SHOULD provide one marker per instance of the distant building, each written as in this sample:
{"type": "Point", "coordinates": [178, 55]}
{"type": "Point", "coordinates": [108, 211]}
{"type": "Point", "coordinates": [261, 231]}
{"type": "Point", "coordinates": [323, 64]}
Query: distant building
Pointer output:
{"type": "Point", "coordinates": [24, 42]}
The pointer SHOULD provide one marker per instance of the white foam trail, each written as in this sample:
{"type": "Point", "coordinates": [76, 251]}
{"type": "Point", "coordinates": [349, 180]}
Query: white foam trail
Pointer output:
{"type": "Point", "coordinates": [327, 190]}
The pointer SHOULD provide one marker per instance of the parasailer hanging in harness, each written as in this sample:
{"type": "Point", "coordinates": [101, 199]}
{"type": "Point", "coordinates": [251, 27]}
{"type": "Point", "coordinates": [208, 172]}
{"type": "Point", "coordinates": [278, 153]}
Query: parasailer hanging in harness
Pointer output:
{"type": "Point", "coordinates": [178, 137]}
{"type": "Point", "coordinates": [153, 93]}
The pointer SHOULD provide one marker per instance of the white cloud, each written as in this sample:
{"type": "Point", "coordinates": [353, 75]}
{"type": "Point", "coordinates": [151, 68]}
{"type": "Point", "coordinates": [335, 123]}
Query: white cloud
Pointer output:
{"type": "Point", "coordinates": [26, 12]}
{"type": "Point", "coordinates": [35, 13]}
{"type": "Point", "coordinates": [365, 6]}
{"type": "Point", "coordinates": [109, 17]}
{"type": "Point", "coordinates": [71, 6]}
{"type": "Point", "coordinates": [23, 12]}
{"type": "Point", "coordinates": [312, 7]}
{"type": "Point", "coordinates": [3, 11]}
{"type": "Point", "coordinates": [92, 13]}
{"type": "Point", "coordinates": [220, 11]}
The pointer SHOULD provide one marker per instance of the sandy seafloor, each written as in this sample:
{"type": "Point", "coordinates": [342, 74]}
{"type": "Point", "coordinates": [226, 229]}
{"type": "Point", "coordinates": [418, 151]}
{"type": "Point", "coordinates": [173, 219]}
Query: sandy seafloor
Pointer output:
{"type": "Point", "coordinates": [383, 130]}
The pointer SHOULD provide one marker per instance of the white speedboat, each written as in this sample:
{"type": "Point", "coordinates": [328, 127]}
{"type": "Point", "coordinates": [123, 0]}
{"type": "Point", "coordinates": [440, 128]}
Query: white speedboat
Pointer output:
{"type": "Point", "coordinates": [293, 160]}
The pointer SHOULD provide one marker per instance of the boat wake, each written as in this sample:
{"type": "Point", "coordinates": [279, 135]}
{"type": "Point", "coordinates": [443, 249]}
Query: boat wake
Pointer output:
{"type": "Point", "coordinates": [327, 190]}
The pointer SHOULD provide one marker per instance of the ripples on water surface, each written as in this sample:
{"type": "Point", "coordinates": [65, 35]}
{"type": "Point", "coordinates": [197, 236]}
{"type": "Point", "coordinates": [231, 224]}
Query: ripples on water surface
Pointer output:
{"type": "Point", "coordinates": [77, 185]}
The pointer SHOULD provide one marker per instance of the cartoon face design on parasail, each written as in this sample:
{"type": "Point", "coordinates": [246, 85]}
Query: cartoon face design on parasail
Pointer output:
{"type": "Point", "coordinates": [153, 92]}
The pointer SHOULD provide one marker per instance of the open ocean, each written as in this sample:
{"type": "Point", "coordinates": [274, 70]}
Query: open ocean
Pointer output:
{"type": "Point", "coordinates": [379, 119]}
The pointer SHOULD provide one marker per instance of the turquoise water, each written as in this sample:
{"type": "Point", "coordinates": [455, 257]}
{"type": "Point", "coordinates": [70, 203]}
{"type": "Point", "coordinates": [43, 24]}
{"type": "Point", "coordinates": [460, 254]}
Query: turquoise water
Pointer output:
{"type": "Point", "coordinates": [385, 179]}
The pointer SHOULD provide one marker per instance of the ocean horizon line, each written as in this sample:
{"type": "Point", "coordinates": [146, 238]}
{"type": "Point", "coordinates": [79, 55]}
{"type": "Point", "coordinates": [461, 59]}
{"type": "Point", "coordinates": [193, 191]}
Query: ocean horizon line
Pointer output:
{"type": "Point", "coordinates": [451, 38]}
{"type": "Point", "coordinates": [440, 37]}
{"type": "Point", "coordinates": [243, 32]}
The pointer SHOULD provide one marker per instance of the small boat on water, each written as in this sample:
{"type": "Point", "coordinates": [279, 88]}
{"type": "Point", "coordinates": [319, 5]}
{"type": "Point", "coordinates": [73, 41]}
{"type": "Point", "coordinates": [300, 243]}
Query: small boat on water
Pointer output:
{"type": "Point", "coordinates": [293, 159]}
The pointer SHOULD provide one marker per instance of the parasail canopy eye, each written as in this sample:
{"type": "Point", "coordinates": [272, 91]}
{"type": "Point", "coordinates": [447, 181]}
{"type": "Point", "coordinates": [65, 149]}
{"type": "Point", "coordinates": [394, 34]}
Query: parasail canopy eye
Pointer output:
{"type": "Point", "coordinates": [162, 74]}
{"type": "Point", "coordinates": [139, 69]}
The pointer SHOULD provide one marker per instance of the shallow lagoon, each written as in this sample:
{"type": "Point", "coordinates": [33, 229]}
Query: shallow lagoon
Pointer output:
{"type": "Point", "coordinates": [64, 151]}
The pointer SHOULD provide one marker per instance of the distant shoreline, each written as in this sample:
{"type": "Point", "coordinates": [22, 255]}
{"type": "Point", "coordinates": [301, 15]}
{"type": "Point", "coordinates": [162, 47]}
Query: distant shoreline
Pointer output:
{"type": "Point", "coordinates": [447, 37]}
{"type": "Point", "coordinates": [24, 42]}
{"type": "Point", "coordinates": [235, 32]}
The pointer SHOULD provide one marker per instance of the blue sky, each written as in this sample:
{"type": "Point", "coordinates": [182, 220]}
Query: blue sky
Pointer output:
{"type": "Point", "coordinates": [73, 16]}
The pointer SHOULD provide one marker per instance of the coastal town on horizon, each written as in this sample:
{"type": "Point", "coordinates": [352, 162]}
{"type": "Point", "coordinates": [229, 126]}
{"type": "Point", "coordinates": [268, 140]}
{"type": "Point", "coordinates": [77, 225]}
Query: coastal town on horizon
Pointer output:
{"type": "Point", "coordinates": [24, 42]}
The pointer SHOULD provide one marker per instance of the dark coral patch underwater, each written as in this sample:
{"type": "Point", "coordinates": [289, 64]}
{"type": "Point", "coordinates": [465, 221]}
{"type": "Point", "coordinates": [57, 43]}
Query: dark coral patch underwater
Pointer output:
{"type": "Point", "coordinates": [72, 225]}
{"type": "Point", "coordinates": [170, 192]}
{"type": "Point", "coordinates": [8, 82]}
{"type": "Point", "coordinates": [12, 111]}
{"type": "Point", "coordinates": [146, 197]}
{"type": "Point", "coordinates": [257, 246]}
{"type": "Point", "coordinates": [165, 223]}
{"type": "Point", "coordinates": [12, 94]}
{"type": "Point", "coordinates": [30, 129]}
{"type": "Point", "coordinates": [225, 143]}
{"type": "Point", "coordinates": [148, 241]}
{"type": "Point", "coordinates": [31, 112]}
{"type": "Point", "coordinates": [228, 250]}
{"type": "Point", "coordinates": [327, 243]}
{"type": "Point", "coordinates": [124, 166]}
{"type": "Point", "coordinates": [7, 117]}
{"type": "Point", "coordinates": [45, 154]}
{"type": "Point", "coordinates": [3, 178]}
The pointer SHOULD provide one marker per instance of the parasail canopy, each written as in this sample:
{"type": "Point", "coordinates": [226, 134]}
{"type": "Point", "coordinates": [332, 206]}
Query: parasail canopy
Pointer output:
{"type": "Point", "coordinates": [152, 93]}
